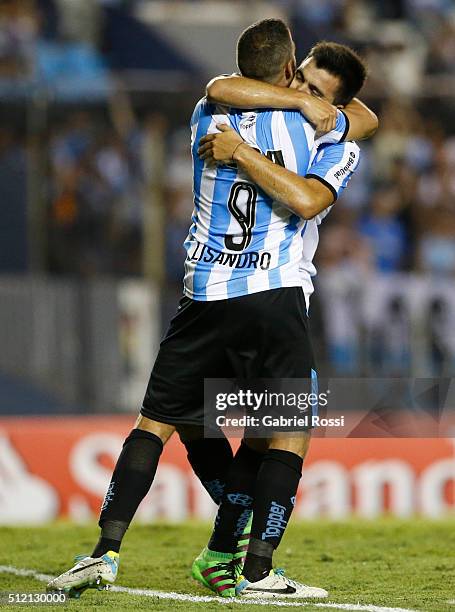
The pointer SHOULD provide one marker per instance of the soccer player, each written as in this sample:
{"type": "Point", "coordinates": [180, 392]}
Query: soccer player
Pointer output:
{"type": "Point", "coordinates": [226, 323]}
{"type": "Point", "coordinates": [333, 73]}
{"type": "Point", "coordinates": [330, 73]}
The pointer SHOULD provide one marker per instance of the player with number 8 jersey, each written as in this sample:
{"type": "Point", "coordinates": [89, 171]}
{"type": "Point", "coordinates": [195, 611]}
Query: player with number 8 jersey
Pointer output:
{"type": "Point", "coordinates": [241, 241]}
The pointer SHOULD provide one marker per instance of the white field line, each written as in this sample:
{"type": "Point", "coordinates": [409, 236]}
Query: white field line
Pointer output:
{"type": "Point", "coordinates": [16, 571]}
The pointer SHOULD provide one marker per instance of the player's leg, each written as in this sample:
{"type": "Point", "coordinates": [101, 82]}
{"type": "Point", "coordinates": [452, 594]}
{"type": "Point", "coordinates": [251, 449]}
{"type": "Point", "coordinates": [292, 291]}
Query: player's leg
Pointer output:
{"type": "Point", "coordinates": [284, 351]}
{"type": "Point", "coordinates": [237, 500]}
{"type": "Point", "coordinates": [210, 459]}
{"type": "Point", "coordinates": [174, 396]}
{"type": "Point", "coordinates": [243, 344]}
{"type": "Point", "coordinates": [276, 488]}
{"type": "Point", "coordinates": [236, 503]}
{"type": "Point", "coordinates": [134, 474]}
{"type": "Point", "coordinates": [231, 522]}
{"type": "Point", "coordinates": [131, 480]}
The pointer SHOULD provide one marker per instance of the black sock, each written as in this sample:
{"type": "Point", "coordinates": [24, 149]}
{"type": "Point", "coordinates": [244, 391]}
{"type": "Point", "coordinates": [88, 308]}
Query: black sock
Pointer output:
{"type": "Point", "coordinates": [274, 499]}
{"type": "Point", "coordinates": [210, 459]}
{"type": "Point", "coordinates": [237, 500]}
{"type": "Point", "coordinates": [132, 478]}
{"type": "Point", "coordinates": [259, 565]}
{"type": "Point", "coordinates": [105, 544]}
{"type": "Point", "coordinates": [111, 537]}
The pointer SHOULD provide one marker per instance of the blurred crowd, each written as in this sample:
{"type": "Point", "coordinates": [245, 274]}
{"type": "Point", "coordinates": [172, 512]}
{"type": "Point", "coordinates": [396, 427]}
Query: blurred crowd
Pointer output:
{"type": "Point", "coordinates": [397, 214]}
{"type": "Point", "coordinates": [99, 185]}
{"type": "Point", "coordinates": [48, 40]}
{"type": "Point", "coordinates": [405, 42]}
{"type": "Point", "coordinates": [96, 192]}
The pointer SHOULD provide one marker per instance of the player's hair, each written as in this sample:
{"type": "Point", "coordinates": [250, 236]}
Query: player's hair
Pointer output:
{"type": "Point", "coordinates": [263, 49]}
{"type": "Point", "coordinates": [341, 61]}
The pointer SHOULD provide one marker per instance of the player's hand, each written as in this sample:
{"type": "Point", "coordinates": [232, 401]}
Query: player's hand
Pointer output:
{"type": "Point", "coordinates": [219, 148]}
{"type": "Point", "coordinates": [320, 113]}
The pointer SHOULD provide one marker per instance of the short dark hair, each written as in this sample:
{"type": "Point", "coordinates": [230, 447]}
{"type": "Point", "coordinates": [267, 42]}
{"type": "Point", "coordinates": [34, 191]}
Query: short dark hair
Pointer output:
{"type": "Point", "coordinates": [341, 61]}
{"type": "Point", "coordinates": [263, 49]}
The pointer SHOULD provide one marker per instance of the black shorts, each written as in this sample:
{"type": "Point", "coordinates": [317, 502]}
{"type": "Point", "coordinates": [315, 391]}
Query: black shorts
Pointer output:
{"type": "Point", "coordinates": [261, 335]}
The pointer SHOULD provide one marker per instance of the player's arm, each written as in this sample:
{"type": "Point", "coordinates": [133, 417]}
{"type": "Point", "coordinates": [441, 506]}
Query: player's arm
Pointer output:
{"type": "Point", "coordinates": [242, 92]}
{"type": "Point", "coordinates": [363, 123]}
{"type": "Point", "coordinates": [304, 197]}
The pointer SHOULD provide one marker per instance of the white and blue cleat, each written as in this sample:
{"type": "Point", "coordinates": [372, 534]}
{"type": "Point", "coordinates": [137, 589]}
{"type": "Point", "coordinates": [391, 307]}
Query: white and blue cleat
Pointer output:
{"type": "Point", "coordinates": [276, 584]}
{"type": "Point", "coordinates": [88, 573]}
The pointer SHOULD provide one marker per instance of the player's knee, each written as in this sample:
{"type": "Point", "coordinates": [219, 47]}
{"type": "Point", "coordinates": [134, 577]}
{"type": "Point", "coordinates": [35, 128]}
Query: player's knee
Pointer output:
{"type": "Point", "coordinates": [162, 430]}
{"type": "Point", "coordinates": [298, 444]}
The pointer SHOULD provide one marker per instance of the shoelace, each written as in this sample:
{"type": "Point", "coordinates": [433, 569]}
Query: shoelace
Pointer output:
{"type": "Point", "coordinates": [238, 566]}
{"type": "Point", "coordinates": [279, 571]}
{"type": "Point", "coordinates": [228, 566]}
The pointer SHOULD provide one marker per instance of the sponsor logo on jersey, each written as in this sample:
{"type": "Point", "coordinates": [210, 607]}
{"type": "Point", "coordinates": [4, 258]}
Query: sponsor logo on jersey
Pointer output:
{"type": "Point", "coordinates": [248, 122]}
{"type": "Point", "coordinates": [347, 168]}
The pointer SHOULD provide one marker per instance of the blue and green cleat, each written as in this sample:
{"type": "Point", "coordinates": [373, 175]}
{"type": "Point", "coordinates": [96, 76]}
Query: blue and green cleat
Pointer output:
{"type": "Point", "coordinates": [220, 571]}
{"type": "Point", "coordinates": [216, 571]}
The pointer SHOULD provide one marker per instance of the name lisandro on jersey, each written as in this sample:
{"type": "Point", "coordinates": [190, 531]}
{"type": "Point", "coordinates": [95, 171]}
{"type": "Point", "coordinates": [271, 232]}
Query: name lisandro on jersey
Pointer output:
{"type": "Point", "coordinates": [250, 259]}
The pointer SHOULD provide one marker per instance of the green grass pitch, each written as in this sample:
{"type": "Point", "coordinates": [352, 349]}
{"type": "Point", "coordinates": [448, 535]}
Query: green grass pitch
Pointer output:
{"type": "Point", "coordinates": [403, 564]}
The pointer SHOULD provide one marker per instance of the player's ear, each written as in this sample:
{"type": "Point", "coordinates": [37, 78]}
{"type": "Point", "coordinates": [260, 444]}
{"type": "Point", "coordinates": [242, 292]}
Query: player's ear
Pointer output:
{"type": "Point", "coordinates": [289, 70]}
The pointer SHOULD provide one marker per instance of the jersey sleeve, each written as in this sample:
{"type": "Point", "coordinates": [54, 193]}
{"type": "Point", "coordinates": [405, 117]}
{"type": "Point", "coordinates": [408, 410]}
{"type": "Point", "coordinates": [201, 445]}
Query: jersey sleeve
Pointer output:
{"type": "Point", "coordinates": [338, 134]}
{"type": "Point", "coordinates": [334, 166]}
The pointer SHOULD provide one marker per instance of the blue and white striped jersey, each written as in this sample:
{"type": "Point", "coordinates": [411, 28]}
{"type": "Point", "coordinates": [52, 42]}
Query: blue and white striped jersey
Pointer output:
{"type": "Point", "coordinates": [333, 165]}
{"type": "Point", "coordinates": [240, 240]}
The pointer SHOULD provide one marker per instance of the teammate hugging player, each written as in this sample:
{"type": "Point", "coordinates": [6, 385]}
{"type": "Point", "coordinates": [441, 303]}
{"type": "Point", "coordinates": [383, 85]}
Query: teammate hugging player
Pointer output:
{"type": "Point", "coordinates": [243, 321]}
